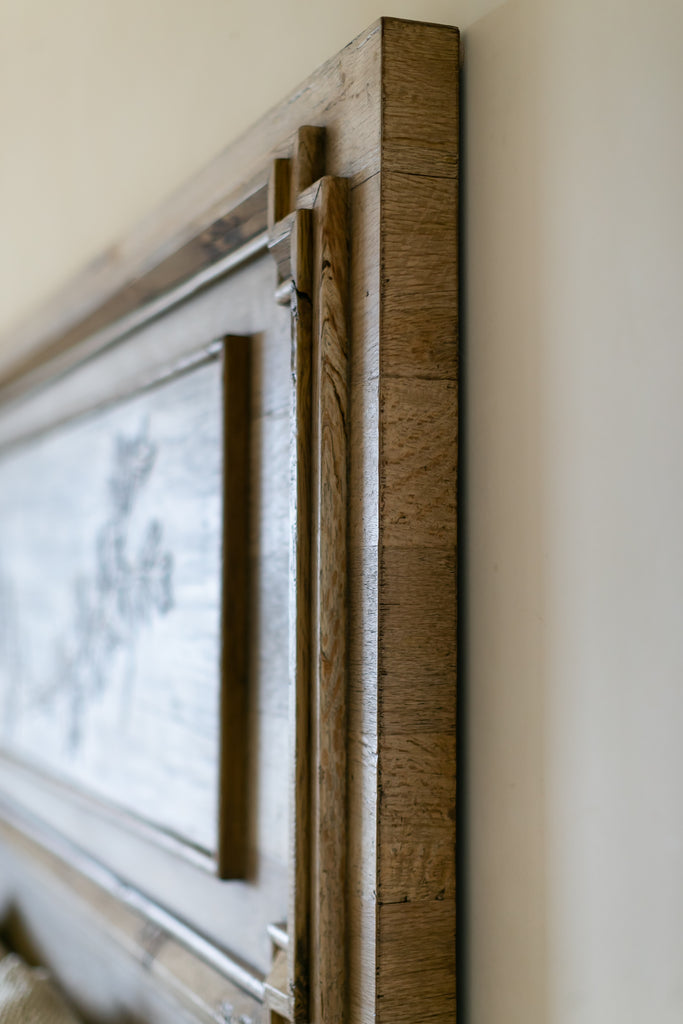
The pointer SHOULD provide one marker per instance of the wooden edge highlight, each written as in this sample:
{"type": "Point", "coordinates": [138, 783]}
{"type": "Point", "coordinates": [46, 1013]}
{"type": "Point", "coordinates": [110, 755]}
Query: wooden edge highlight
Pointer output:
{"type": "Point", "coordinates": [330, 644]}
{"type": "Point", "coordinates": [308, 160]}
{"type": "Point", "coordinates": [298, 954]}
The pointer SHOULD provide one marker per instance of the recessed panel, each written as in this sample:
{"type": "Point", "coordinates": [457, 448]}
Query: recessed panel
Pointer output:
{"type": "Point", "coordinates": [110, 603]}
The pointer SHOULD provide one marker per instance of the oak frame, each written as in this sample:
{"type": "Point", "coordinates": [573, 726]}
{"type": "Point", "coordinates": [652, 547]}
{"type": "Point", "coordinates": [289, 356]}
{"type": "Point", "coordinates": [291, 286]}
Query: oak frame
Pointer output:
{"type": "Point", "coordinates": [376, 496]}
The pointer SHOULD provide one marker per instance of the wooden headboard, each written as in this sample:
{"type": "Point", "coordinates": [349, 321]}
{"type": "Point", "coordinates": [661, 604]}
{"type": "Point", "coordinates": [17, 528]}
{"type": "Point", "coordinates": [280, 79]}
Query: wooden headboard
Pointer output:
{"type": "Point", "coordinates": [228, 467]}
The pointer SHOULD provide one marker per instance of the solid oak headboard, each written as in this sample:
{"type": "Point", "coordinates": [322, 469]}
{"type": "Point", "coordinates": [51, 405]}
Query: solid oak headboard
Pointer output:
{"type": "Point", "coordinates": [228, 468]}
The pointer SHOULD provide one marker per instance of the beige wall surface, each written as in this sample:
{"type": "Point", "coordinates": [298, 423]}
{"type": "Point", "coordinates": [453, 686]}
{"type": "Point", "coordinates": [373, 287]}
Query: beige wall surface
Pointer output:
{"type": "Point", "coordinates": [108, 106]}
{"type": "Point", "coordinates": [572, 544]}
{"type": "Point", "coordinates": [573, 583]}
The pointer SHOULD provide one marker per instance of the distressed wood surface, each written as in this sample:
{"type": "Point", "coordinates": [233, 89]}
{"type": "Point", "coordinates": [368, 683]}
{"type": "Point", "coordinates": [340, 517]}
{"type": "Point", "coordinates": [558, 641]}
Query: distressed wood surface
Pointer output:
{"type": "Point", "coordinates": [330, 599]}
{"type": "Point", "coordinates": [308, 160]}
{"type": "Point", "coordinates": [298, 953]}
{"type": "Point", "coordinates": [363, 587]}
{"type": "Point", "coordinates": [387, 918]}
{"type": "Point", "coordinates": [418, 410]}
{"type": "Point", "coordinates": [279, 191]}
{"type": "Point", "coordinates": [110, 584]}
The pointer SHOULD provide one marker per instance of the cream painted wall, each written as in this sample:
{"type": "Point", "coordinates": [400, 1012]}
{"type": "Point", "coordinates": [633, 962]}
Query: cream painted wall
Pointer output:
{"type": "Point", "coordinates": [573, 588]}
{"type": "Point", "coordinates": [107, 106]}
{"type": "Point", "coordinates": [572, 366]}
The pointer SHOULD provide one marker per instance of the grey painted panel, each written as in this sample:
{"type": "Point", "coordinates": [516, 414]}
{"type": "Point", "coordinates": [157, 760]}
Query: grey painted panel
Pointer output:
{"type": "Point", "coordinates": [110, 587]}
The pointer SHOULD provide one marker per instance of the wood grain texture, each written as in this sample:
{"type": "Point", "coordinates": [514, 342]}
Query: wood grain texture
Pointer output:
{"type": "Point", "coordinates": [380, 902]}
{"type": "Point", "coordinates": [420, 67]}
{"type": "Point", "coordinates": [280, 248]}
{"type": "Point", "coordinates": [418, 665]}
{"type": "Point", "coordinates": [417, 979]}
{"type": "Point", "coordinates": [308, 160]}
{"type": "Point", "coordinates": [234, 782]}
{"type": "Point", "coordinates": [417, 818]}
{"type": "Point", "coordinates": [362, 597]}
{"type": "Point", "coordinates": [298, 955]}
{"type": "Point", "coordinates": [419, 260]}
{"type": "Point", "coordinates": [330, 599]}
{"type": "Point", "coordinates": [418, 502]}
{"type": "Point", "coordinates": [415, 952]}
{"type": "Point", "coordinates": [157, 276]}
{"type": "Point", "coordinates": [279, 191]}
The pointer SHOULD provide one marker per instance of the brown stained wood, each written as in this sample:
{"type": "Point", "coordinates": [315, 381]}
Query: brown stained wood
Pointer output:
{"type": "Point", "coordinates": [418, 670]}
{"type": "Point", "coordinates": [308, 160]}
{"type": "Point", "coordinates": [363, 589]}
{"type": "Point", "coordinates": [232, 824]}
{"type": "Point", "coordinates": [420, 264]}
{"type": "Point", "coordinates": [300, 617]}
{"type": "Point", "coordinates": [293, 174]}
{"type": "Point", "coordinates": [418, 502]}
{"type": "Point", "coordinates": [279, 191]}
{"type": "Point", "coordinates": [377, 909]}
{"type": "Point", "coordinates": [417, 980]}
{"type": "Point", "coordinates": [306, 200]}
{"type": "Point", "coordinates": [417, 818]}
{"type": "Point", "coordinates": [420, 68]}
{"type": "Point", "coordinates": [290, 178]}
{"type": "Point", "coordinates": [364, 414]}
{"type": "Point", "coordinates": [330, 669]}
{"type": "Point", "coordinates": [280, 247]}
{"type": "Point", "coordinates": [418, 412]}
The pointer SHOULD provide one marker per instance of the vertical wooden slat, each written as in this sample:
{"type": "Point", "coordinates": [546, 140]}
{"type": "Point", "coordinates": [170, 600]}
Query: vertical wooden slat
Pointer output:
{"type": "Point", "coordinates": [415, 956]}
{"type": "Point", "coordinates": [232, 825]}
{"type": "Point", "coordinates": [330, 598]}
{"type": "Point", "coordinates": [308, 162]}
{"type": "Point", "coordinates": [279, 191]}
{"type": "Point", "coordinates": [300, 616]}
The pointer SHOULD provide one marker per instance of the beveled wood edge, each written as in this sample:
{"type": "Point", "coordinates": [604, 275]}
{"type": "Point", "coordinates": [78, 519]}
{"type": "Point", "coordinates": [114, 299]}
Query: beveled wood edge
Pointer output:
{"type": "Point", "coordinates": [330, 613]}
{"type": "Point", "coordinates": [298, 952]}
{"type": "Point", "coordinates": [194, 203]}
{"type": "Point", "coordinates": [416, 931]}
{"type": "Point", "coordinates": [313, 276]}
